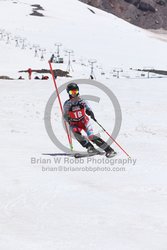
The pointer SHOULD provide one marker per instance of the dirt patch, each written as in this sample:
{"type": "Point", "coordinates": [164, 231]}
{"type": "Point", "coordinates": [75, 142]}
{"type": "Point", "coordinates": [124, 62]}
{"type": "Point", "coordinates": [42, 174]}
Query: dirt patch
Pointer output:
{"type": "Point", "coordinates": [36, 9]}
{"type": "Point", "coordinates": [6, 78]}
{"type": "Point", "coordinates": [147, 14]}
{"type": "Point", "coordinates": [156, 71]}
{"type": "Point", "coordinates": [57, 72]}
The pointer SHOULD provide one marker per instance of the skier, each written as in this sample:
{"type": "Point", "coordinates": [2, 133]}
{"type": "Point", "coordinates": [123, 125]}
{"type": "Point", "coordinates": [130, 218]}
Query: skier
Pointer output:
{"type": "Point", "coordinates": [76, 110]}
{"type": "Point", "coordinates": [29, 73]}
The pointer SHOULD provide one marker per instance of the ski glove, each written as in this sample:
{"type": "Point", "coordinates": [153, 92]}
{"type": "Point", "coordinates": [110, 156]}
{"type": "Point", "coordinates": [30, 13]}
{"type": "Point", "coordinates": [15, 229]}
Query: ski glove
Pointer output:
{"type": "Point", "coordinates": [91, 114]}
{"type": "Point", "coordinates": [66, 118]}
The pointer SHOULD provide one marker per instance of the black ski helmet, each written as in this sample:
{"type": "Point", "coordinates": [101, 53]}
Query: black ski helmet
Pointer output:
{"type": "Point", "coordinates": [72, 86]}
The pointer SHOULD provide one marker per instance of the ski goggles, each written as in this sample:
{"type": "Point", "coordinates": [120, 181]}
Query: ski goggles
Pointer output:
{"type": "Point", "coordinates": [73, 92]}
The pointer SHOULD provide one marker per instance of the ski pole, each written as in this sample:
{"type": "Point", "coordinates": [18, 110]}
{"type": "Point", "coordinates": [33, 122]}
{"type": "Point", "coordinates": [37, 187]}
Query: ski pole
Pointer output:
{"type": "Point", "coordinates": [61, 108]}
{"type": "Point", "coordinates": [112, 138]}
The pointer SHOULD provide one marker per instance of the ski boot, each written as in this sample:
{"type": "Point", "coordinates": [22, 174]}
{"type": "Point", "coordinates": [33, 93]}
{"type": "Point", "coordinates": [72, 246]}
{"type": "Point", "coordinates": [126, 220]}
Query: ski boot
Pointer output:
{"type": "Point", "coordinates": [92, 150]}
{"type": "Point", "coordinates": [110, 152]}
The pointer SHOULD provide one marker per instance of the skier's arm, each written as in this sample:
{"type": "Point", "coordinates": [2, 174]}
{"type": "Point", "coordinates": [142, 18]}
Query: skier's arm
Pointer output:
{"type": "Point", "coordinates": [91, 114]}
{"type": "Point", "coordinates": [66, 118]}
{"type": "Point", "coordinates": [89, 111]}
{"type": "Point", "coordinates": [65, 113]}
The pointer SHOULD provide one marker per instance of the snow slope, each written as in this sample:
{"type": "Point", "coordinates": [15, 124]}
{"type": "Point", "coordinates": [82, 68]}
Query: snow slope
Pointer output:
{"type": "Point", "coordinates": [45, 209]}
{"type": "Point", "coordinates": [96, 35]}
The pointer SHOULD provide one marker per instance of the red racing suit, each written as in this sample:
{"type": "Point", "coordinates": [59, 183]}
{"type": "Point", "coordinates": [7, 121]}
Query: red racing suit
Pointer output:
{"type": "Point", "coordinates": [75, 113]}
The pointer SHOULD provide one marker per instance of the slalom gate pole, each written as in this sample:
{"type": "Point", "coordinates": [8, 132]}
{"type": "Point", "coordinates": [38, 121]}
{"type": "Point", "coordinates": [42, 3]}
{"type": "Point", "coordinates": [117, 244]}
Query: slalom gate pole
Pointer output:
{"type": "Point", "coordinates": [112, 138]}
{"type": "Point", "coordinates": [65, 124]}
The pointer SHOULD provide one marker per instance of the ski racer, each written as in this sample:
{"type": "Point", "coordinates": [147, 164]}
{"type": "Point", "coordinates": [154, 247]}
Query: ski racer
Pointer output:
{"type": "Point", "coordinates": [76, 112]}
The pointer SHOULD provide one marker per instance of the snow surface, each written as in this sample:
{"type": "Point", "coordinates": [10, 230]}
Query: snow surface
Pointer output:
{"type": "Point", "coordinates": [102, 210]}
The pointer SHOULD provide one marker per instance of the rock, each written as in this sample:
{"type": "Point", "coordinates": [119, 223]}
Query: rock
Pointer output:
{"type": "Point", "coordinates": [36, 13]}
{"type": "Point", "coordinates": [161, 2]}
{"type": "Point", "coordinates": [134, 2]}
{"type": "Point", "coordinates": [146, 7]}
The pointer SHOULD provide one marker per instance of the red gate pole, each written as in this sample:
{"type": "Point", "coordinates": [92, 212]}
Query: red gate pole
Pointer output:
{"type": "Point", "coordinates": [66, 128]}
{"type": "Point", "coordinates": [112, 138]}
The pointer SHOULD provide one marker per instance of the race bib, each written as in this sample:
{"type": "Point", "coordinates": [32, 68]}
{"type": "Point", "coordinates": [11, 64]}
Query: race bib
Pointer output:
{"type": "Point", "coordinates": [77, 112]}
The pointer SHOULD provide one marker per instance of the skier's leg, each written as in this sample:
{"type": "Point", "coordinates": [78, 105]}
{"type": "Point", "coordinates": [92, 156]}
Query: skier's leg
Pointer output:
{"type": "Point", "coordinates": [89, 131]}
{"type": "Point", "coordinates": [103, 145]}
{"type": "Point", "coordinates": [99, 142]}
{"type": "Point", "coordinates": [80, 138]}
{"type": "Point", "coordinates": [96, 139]}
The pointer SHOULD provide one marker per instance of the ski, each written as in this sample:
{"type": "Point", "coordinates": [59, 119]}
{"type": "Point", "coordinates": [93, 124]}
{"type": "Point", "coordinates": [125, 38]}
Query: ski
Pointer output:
{"type": "Point", "coordinates": [85, 154]}
{"type": "Point", "coordinates": [58, 154]}
{"type": "Point", "coordinates": [76, 155]}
